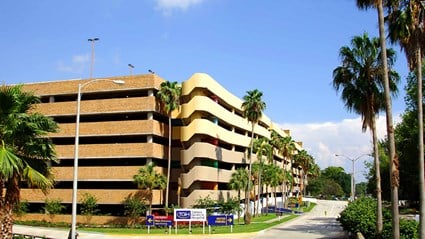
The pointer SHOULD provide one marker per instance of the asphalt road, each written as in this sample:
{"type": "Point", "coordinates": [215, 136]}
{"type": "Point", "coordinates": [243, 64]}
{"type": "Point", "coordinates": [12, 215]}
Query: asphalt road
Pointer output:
{"type": "Point", "coordinates": [320, 223]}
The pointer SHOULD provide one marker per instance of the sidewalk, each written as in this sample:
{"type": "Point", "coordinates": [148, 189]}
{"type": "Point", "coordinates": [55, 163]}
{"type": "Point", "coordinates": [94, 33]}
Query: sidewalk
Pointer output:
{"type": "Point", "coordinates": [58, 233]}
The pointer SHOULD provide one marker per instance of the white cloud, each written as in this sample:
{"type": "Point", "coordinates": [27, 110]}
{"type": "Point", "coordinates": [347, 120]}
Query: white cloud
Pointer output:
{"type": "Point", "coordinates": [324, 140]}
{"type": "Point", "coordinates": [77, 65]}
{"type": "Point", "coordinates": [167, 6]}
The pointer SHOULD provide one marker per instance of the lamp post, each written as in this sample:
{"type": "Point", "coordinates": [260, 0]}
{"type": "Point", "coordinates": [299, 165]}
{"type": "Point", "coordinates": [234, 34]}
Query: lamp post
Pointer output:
{"type": "Point", "coordinates": [77, 135]}
{"type": "Point", "coordinates": [353, 160]}
{"type": "Point", "coordinates": [131, 67]}
{"type": "Point", "coordinates": [92, 40]}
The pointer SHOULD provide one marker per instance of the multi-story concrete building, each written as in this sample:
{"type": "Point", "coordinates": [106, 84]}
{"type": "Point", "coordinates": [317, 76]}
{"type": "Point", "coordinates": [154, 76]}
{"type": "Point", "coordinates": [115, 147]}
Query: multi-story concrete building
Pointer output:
{"type": "Point", "coordinates": [122, 129]}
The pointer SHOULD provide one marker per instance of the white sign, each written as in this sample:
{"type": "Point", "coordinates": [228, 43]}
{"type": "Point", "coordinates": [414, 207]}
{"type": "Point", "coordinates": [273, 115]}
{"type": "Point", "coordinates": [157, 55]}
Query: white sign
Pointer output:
{"type": "Point", "coordinates": [190, 214]}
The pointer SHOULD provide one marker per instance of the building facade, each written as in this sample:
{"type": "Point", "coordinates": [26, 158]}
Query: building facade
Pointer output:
{"type": "Point", "coordinates": [122, 129]}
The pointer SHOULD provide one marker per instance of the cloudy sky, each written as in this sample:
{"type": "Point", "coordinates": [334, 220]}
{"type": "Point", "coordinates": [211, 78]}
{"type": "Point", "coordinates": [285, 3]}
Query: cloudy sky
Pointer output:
{"type": "Point", "coordinates": [286, 49]}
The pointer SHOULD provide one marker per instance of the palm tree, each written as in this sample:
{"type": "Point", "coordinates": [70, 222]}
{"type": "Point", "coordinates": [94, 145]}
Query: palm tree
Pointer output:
{"type": "Point", "coordinates": [262, 148]}
{"type": "Point", "coordinates": [25, 150]}
{"type": "Point", "coordinates": [360, 80]}
{"type": "Point", "coordinates": [378, 4]}
{"type": "Point", "coordinates": [169, 97]}
{"type": "Point", "coordinates": [239, 181]}
{"type": "Point", "coordinates": [286, 147]}
{"type": "Point", "coordinates": [273, 177]}
{"type": "Point", "coordinates": [147, 178]}
{"type": "Point", "coordinates": [304, 160]}
{"type": "Point", "coordinates": [406, 23]}
{"type": "Point", "coordinates": [253, 107]}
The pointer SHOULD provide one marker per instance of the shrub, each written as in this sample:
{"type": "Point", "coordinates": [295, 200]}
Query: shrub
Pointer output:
{"type": "Point", "coordinates": [53, 206]}
{"type": "Point", "coordinates": [21, 208]}
{"type": "Point", "coordinates": [134, 208]}
{"type": "Point", "coordinates": [360, 216]}
{"type": "Point", "coordinates": [89, 205]}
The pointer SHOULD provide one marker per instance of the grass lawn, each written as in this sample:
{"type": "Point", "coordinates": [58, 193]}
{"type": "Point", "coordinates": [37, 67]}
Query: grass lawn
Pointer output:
{"type": "Point", "coordinates": [258, 224]}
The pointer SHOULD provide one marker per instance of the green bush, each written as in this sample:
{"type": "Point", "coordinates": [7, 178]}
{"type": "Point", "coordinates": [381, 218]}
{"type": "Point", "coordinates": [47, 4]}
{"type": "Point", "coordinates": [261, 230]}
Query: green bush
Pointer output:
{"type": "Point", "coordinates": [21, 208]}
{"type": "Point", "coordinates": [360, 216]}
{"type": "Point", "coordinates": [134, 208]}
{"type": "Point", "coordinates": [53, 206]}
{"type": "Point", "coordinates": [89, 205]}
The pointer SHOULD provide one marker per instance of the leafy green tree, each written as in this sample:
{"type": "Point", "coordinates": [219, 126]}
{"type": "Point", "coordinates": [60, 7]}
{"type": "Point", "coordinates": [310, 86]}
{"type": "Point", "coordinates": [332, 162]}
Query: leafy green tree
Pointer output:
{"type": "Point", "coordinates": [360, 81]}
{"type": "Point", "coordinates": [332, 188]}
{"type": "Point", "coordinates": [169, 97]}
{"type": "Point", "coordinates": [384, 168]}
{"type": "Point", "coordinates": [361, 189]}
{"type": "Point", "coordinates": [147, 178]}
{"type": "Point", "coordinates": [89, 206]}
{"type": "Point", "coordinates": [338, 175]}
{"type": "Point", "coordinates": [253, 107]}
{"type": "Point", "coordinates": [25, 150]}
{"type": "Point", "coordinates": [378, 4]}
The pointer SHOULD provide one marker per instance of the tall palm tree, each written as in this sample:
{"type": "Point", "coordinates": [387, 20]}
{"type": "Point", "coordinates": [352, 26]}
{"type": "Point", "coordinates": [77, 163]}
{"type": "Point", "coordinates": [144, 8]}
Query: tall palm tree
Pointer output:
{"type": "Point", "coordinates": [360, 80]}
{"type": "Point", "coordinates": [169, 96]}
{"type": "Point", "coordinates": [25, 150]}
{"type": "Point", "coordinates": [253, 107]}
{"type": "Point", "coordinates": [239, 181]}
{"type": "Point", "coordinates": [262, 148]}
{"type": "Point", "coordinates": [286, 147]}
{"type": "Point", "coordinates": [304, 160]}
{"type": "Point", "coordinates": [394, 172]}
{"type": "Point", "coordinates": [147, 178]}
{"type": "Point", "coordinates": [406, 23]}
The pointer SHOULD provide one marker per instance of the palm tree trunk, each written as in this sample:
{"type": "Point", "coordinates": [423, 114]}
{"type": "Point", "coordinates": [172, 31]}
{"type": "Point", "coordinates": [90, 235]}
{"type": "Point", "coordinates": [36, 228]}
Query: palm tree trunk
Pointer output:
{"type": "Point", "coordinates": [249, 175]}
{"type": "Point", "coordinates": [255, 199]}
{"type": "Point", "coordinates": [394, 173]}
{"type": "Point", "coordinates": [239, 201]}
{"type": "Point", "coordinates": [421, 146]}
{"type": "Point", "coordinates": [11, 198]}
{"type": "Point", "coordinates": [379, 224]}
{"type": "Point", "coordinates": [169, 164]}
{"type": "Point", "coordinates": [267, 200]}
{"type": "Point", "coordinates": [275, 198]}
{"type": "Point", "coordinates": [260, 188]}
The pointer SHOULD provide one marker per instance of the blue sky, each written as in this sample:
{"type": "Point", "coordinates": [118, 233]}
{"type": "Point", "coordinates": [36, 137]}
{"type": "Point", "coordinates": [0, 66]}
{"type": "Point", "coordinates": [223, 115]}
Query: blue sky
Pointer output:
{"type": "Point", "coordinates": [286, 49]}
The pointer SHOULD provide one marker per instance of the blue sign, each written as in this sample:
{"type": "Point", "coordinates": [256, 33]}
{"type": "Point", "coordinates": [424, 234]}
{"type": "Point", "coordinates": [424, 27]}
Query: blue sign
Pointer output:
{"type": "Point", "coordinates": [159, 221]}
{"type": "Point", "coordinates": [220, 220]}
{"type": "Point", "coordinates": [149, 220]}
{"type": "Point", "coordinates": [183, 215]}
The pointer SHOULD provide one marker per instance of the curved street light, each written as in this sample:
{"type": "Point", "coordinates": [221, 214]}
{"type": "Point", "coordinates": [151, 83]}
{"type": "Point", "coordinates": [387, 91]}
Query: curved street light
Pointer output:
{"type": "Point", "coordinates": [353, 186]}
{"type": "Point", "coordinates": [77, 135]}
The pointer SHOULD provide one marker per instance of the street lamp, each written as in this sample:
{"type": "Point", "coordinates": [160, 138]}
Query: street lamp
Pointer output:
{"type": "Point", "coordinates": [131, 67]}
{"type": "Point", "coordinates": [92, 40]}
{"type": "Point", "coordinates": [77, 134]}
{"type": "Point", "coordinates": [353, 186]}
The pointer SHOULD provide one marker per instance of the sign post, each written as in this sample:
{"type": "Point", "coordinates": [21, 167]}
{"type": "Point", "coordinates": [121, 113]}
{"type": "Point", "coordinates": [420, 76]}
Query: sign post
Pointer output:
{"type": "Point", "coordinates": [220, 220]}
{"type": "Point", "coordinates": [190, 215]}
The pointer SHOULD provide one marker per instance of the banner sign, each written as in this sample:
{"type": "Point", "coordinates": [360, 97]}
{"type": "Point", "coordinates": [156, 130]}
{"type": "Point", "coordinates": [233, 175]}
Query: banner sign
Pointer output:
{"type": "Point", "coordinates": [220, 220]}
{"type": "Point", "coordinates": [189, 215]}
